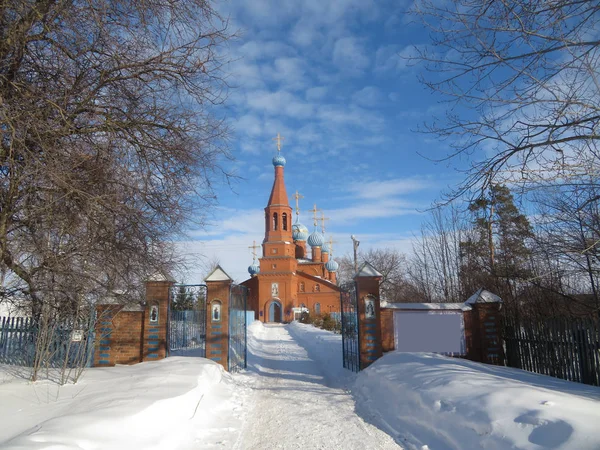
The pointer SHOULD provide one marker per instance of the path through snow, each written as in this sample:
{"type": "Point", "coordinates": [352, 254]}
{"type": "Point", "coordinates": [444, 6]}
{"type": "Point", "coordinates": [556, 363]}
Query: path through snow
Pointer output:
{"type": "Point", "coordinates": [297, 404]}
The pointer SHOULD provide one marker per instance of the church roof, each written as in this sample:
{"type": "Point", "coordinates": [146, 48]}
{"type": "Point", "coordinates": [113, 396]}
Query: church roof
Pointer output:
{"type": "Point", "coordinates": [278, 192]}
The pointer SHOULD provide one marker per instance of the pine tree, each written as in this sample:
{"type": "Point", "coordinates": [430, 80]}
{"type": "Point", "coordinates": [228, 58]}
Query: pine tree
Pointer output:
{"type": "Point", "coordinates": [495, 256]}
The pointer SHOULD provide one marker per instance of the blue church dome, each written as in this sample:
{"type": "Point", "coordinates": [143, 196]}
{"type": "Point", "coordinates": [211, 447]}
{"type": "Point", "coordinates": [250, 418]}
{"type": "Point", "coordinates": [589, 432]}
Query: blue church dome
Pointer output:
{"type": "Point", "coordinates": [278, 160]}
{"type": "Point", "coordinates": [325, 248]}
{"type": "Point", "coordinates": [253, 269]}
{"type": "Point", "coordinates": [316, 239]}
{"type": "Point", "coordinates": [332, 266]}
{"type": "Point", "coordinates": [299, 232]}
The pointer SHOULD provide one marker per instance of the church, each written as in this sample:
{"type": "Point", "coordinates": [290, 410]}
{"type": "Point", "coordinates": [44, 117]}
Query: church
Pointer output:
{"type": "Point", "coordinates": [287, 280]}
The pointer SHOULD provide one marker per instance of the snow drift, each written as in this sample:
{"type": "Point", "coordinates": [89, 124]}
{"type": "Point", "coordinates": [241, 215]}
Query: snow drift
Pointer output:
{"type": "Point", "coordinates": [427, 401]}
{"type": "Point", "coordinates": [157, 405]}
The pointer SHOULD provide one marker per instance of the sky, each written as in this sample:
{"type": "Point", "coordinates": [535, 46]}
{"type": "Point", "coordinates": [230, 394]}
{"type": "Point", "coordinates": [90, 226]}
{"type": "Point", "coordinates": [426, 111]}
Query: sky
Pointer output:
{"type": "Point", "coordinates": [333, 79]}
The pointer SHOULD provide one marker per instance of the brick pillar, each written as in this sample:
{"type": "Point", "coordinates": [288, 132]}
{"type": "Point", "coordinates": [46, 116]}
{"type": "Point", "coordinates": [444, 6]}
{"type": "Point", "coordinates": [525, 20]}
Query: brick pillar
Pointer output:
{"type": "Point", "coordinates": [487, 335]}
{"type": "Point", "coordinates": [369, 318]}
{"type": "Point", "coordinates": [156, 319]}
{"type": "Point", "coordinates": [217, 321]}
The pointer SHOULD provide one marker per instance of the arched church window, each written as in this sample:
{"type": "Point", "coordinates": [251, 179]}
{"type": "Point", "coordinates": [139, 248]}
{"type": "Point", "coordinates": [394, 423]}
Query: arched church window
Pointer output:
{"type": "Point", "coordinates": [317, 288]}
{"type": "Point", "coordinates": [284, 221]}
{"type": "Point", "coordinates": [301, 286]}
{"type": "Point", "coordinates": [317, 308]}
{"type": "Point", "coordinates": [275, 221]}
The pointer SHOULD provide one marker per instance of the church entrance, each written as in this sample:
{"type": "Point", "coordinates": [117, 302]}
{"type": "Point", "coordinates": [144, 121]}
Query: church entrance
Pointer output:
{"type": "Point", "coordinates": [275, 313]}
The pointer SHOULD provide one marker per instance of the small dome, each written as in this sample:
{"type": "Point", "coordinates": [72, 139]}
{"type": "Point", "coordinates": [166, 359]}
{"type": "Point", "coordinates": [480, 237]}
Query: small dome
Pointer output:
{"type": "Point", "coordinates": [299, 232]}
{"type": "Point", "coordinates": [253, 269]}
{"type": "Point", "coordinates": [316, 239]}
{"type": "Point", "coordinates": [325, 248]}
{"type": "Point", "coordinates": [332, 266]}
{"type": "Point", "coordinates": [278, 160]}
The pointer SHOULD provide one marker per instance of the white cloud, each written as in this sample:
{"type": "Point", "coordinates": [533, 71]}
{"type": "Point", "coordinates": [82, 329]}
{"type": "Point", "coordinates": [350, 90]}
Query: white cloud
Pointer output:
{"type": "Point", "coordinates": [316, 93]}
{"type": "Point", "coordinates": [369, 96]}
{"type": "Point", "coordinates": [391, 58]}
{"type": "Point", "coordinates": [389, 188]}
{"type": "Point", "coordinates": [349, 54]}
{"type": "Point", "coordinates": [278, 103]}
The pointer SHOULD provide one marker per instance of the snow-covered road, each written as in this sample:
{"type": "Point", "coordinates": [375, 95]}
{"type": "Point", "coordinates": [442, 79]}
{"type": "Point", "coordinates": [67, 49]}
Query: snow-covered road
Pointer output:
{"type": "Point", "coordinates": [297, 403]}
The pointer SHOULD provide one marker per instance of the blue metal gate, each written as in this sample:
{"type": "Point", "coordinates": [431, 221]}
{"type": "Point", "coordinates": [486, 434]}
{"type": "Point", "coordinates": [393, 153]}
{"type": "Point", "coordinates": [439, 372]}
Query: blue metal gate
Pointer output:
{"type": "Point", "coordinates": [237, 327]}
{"type": "Point", "coordinates": [187, 318]}
{"type": "Point", "coordinates": [349, 307]}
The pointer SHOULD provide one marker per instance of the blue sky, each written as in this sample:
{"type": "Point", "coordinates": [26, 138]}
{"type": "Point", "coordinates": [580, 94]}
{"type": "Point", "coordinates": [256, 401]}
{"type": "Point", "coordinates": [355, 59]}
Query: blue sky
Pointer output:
{"type": "Point", "coordinates": [331, 78]}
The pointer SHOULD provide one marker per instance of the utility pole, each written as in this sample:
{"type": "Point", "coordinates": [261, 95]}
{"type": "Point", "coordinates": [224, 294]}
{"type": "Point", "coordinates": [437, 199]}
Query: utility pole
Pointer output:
{"type": "Point", "coordinates": [355, 244]}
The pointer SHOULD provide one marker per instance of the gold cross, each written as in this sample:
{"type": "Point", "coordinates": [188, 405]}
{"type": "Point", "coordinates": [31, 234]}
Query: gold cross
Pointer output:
{"type": "Point", "coordinates": [297, 197]}
{"type": "Point", "coordinates": [278, 139]}
{"type": "Point", "coordinates": [331, 242]}
{"type": "Point", "coordinates": [323, 219]}
{"type": "Point", "coordinates": [315, 211]}
{"type": "Point", "coordinates": [254, 247]}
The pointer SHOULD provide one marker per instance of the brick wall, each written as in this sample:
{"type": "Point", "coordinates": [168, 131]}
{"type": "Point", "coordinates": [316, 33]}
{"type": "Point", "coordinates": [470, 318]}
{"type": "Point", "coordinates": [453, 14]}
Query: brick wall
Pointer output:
{"type": "Point", "coordinates": [125, 334]}
{"type": "Point", "coordinates": [483, 339]}
{"type": "Point", "coordinates": [118, 336]}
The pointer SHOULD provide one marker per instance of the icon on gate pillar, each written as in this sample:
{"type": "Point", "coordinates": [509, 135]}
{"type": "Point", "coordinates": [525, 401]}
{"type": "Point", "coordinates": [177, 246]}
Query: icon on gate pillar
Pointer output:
{"type": "Point", "coordinates": [369, 307]}
{"type": "Point", "coordinates": [216, 311]}
{"type": "Point", "coordinates": [154, 314]}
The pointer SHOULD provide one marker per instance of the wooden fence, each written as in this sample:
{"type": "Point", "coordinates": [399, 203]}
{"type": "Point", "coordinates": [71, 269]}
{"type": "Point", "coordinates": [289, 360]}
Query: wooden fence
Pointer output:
{"type": "Point", "coordinates": [562, 348]}
{"type": "Point", "coordinates": [68, 343]}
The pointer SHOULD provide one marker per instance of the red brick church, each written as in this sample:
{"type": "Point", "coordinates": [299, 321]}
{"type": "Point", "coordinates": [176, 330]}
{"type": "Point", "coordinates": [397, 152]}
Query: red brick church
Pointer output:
{"type": "Point", "coordinates": [287, 281]}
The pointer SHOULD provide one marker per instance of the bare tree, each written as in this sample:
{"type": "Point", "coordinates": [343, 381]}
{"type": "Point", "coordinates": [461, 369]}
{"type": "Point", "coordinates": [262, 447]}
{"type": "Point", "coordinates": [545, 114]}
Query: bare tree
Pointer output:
{"type": "Point", "coordinates": [435, 265]}
{"type": "Point", "coordinates": [523, 86]}
{"type": "Point", "coordinates": [390, 263]}
{"type": "Point", "coordinates": [110, 142]}
{"type": "Point", "coordinates": [569, 236]}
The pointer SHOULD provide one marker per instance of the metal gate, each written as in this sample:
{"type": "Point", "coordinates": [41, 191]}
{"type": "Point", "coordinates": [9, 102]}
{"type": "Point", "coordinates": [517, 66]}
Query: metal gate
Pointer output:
{"type": "Point", "coordinates": [187, 318]}
{"type": "Point", "coordinates": [238, 296]}
{"type": "Point", "coordinates": [349, 307]}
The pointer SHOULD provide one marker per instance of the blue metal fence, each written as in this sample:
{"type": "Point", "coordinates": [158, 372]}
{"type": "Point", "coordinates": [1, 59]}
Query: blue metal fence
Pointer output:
{"type": "Point", "coordinates": [237, 328]}
{"type": "Point", "coordinates": [187, 330]}
{"type": "Point", "coordinates": [187, 318]}
{"type": "Point", "coordinates": [65, 344]}
{"type": "Point", "coordinates": [350, 330]}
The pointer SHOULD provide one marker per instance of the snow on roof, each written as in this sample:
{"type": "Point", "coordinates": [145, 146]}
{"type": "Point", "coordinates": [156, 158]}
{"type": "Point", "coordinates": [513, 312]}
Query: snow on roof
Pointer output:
{"type": "Point", "coordinates": [483, 296]}
{"type": "Point", "coordinates": [161, 276]}
{"type": "Point", "coordinates": [218, 274]}
{"type": "Point", "coordinates": [367, 270]}
{"type": "Point", "coordinates": [428, 306]}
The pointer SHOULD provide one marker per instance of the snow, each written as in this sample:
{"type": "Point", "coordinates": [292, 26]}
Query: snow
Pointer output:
{"type": "Point", "coordinates": [423, 399]}
{"type": "Point", "coordinates": [173, 403]}
{"type": "Point", "coordinates": [483, 296]}
{"type": "Point", "coordinates": [295, 394]}
{"type": "Point", "coordinates": [427, 306]}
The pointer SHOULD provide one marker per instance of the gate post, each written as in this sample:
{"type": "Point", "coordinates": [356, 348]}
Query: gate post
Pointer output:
{"type": "Point", "coordinates": [486, 328]}
{"type": "Point", "coordinates": [155, 323]}
{"type": "Point", "coordinates": [218, 284]}
{"type": "Point", "coordinates": [369, 314]}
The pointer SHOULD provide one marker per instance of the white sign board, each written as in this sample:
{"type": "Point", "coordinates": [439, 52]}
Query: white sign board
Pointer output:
{"type": "Point", "coordinates": [77, 336]}
{"type": "Point", "coordinates": [429, 331]}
